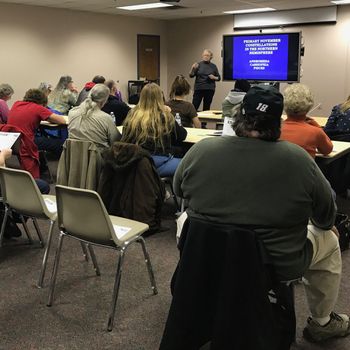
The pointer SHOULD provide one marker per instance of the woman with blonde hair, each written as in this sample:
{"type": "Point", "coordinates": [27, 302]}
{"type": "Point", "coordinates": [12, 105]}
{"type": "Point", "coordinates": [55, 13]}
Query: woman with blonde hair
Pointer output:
{"type": "Point", "coordinates": [338, 123]}
{"type": "Point", "coordinates": [87, 122]}
{"type": "Point", "coordinates": [64, 96]}
{"type": "Point", "coordinates": [300, 129]}
{"type": "Point", "coordinates": [152, 126]}
{"type": "Point", "coordinates": [180, 88]}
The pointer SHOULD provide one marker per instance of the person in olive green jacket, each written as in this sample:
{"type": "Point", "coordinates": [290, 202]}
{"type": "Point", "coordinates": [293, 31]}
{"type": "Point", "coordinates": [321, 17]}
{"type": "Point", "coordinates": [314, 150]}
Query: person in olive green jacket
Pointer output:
{"type": "Point", "coordinates": [275, 187]}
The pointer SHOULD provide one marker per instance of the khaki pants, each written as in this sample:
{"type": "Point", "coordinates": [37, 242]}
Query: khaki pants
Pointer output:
{"type": "Point", "coordinates": [322, 279]}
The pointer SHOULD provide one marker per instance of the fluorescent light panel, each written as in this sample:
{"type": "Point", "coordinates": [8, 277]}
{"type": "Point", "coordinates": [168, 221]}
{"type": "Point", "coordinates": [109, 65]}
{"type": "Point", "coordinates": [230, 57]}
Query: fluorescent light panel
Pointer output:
{"type": "Point", "coordinates": [261, 9]}
{"type": "Point", "coordinates": [341, 2]}
{"type": "Point", "coordinates": [152, 5]}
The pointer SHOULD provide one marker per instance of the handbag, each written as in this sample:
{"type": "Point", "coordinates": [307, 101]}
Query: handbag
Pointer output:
{"type": "Point", "coordinates": [342, 223]}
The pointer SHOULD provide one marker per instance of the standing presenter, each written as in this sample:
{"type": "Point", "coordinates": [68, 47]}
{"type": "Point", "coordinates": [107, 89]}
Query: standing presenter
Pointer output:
{"type": "Point", "coordinates": [206, 74]}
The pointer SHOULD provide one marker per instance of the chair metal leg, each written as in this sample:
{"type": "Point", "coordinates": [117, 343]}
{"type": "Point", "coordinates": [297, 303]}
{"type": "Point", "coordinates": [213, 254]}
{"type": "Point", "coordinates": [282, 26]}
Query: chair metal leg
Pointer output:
{"type": "Point", "coordinates": [94, 261]}
{"type": "Point", "coordinates": [85, 252]}
{"type": "Point", "coordinates": [46, 255]}
{"type": "Point", "coordinates": [30, 239]}
{"type": "Point", "coordinates": [116, 289]}
{"type": "Point", "coordinates": [2, 232]}
{"type": "Point", "coordinates": [149, 265]}
{"type": "Point", "coordinates": [38, 232]}
{"type": "Point", "coordinates": [55, 268]}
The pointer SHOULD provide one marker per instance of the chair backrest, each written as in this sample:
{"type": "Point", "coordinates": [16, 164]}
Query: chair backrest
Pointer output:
{"type": "Point", "coordinates": [220, 285]}
{"type": "Point", "coordinates": [81, 213]}
{"type": "Point", "coordinates": [79, 165]}
{"type": "Point", "coordinates": [21, 193]}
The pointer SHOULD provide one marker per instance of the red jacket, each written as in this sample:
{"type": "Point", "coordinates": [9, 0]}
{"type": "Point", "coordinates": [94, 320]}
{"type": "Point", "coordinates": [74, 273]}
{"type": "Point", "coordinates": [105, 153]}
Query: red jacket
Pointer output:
{"type": "Point", "coordinates": [28, 151]}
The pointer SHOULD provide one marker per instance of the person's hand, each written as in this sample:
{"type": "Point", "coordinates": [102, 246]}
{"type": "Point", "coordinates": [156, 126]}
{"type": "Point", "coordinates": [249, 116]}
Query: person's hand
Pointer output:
{"type": "Point", "coordinates": [335, 230]}
{"type": "Point", "coordinates": [212, 77]}
{"type": "Point", "coordinates": [6, 152]}
{"type": "Point", "coordinates": [195, 65]}
{"type": "Point", "coordinates": [167, 109]}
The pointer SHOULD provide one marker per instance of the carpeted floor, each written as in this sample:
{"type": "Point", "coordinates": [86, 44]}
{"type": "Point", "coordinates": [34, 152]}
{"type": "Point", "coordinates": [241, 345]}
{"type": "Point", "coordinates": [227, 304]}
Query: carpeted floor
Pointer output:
{"type": "Point", "coordinates": [78, 318]}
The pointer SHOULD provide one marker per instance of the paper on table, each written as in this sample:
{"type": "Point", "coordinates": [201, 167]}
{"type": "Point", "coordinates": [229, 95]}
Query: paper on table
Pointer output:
{"type": "Point", "coordinates": [7, 139]}
{"type": "Point", "coordinates": [121, 231]}
{"type": "Point", "coordinates": [227, 130]}
{"type": "Point", "coordinates": [51, 205]}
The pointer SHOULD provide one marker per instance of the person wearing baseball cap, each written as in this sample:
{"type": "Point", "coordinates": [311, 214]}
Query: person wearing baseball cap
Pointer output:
{"type": "Point", "coordinates": [253, 179]}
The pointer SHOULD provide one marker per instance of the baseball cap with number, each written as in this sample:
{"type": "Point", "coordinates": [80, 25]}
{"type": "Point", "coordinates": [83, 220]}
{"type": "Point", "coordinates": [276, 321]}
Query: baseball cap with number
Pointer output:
{"type": "Point", "coordinates": [263, 100]}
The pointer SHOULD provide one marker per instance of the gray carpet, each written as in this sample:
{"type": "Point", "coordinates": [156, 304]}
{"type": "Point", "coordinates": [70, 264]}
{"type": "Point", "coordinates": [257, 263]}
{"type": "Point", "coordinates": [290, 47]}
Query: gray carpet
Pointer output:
{"type": "Point", "coordinates": [78, 318]}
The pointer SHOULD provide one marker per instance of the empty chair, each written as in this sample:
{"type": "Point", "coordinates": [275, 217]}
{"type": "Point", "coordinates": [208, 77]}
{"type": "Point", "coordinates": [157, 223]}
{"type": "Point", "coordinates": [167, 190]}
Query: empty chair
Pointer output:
{"type": "Point", "coordinates": [21, 194]}
{"type": "Point", "coordinates": [82, 215]}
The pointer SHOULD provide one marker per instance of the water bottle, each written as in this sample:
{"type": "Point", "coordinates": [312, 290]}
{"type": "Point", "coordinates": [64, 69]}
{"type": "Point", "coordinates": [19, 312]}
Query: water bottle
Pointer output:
{"type": "Point", "coordinates": [178, 118]}
{"type": "Point", "coordinates": [113, 117]}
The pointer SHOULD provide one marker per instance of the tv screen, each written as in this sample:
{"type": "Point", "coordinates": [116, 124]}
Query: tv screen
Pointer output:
{"type": "Point", "coordinates": [262, 57]}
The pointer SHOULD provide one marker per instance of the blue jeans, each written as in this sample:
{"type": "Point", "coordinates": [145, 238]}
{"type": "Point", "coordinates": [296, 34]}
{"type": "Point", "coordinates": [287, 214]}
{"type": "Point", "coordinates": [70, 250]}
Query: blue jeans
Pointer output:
{"type": "Point", "coordinates": [43, 186]}
{"type": "Point", "coordinates": [166, 165]}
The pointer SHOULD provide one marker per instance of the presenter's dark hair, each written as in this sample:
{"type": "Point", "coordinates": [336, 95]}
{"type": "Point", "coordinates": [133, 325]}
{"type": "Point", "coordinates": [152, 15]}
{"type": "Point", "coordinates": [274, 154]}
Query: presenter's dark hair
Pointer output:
{"type": "Point", "coordinates": [267, 126]}
{"type": "Point", "coordinates": [179, 87]}
{"type": "Point", "coordinates": [37, 96]}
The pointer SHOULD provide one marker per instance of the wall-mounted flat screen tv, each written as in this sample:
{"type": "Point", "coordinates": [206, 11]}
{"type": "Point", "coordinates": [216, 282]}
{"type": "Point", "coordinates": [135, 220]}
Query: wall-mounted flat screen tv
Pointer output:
{"type": "Point", "coordinates": [262, 57]}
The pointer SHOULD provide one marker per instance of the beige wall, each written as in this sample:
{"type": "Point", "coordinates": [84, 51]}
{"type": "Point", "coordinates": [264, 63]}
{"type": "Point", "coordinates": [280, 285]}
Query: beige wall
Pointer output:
{"type": "Point", "coordinates": [41, 44]}
{"type": "Point", "coordinates": [44, 43]}
{"type": "Point", "coordinates": [326, 65]}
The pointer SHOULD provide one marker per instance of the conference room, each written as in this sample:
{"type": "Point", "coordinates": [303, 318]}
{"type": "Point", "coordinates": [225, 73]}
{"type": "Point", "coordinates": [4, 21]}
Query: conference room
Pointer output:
{"type": "Point", "coordinates": [43, 40]}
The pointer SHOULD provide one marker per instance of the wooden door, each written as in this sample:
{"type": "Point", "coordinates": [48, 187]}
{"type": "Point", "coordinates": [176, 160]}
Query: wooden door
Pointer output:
{"type": "Point", "coordinates": [148, 57]}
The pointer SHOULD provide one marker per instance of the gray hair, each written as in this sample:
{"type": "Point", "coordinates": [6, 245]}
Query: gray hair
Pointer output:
{"type": "Point", "coordinates": [268, 127]}
{"type": "Point", "coordinates": [45, 87]}
{"type": "Point", "coordinates": [97, 97]}
{"type": "Point", "coordinates": [62, 85]}
{"type": "Point", "coordinates": [5, 90]}
{"type": "Point", "coordinates": [209, 52]}
{"type": "Point", "coordinates": [298, 99]}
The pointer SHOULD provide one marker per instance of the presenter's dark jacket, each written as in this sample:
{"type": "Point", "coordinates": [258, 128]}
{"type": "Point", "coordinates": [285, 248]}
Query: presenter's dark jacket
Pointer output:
{"type": "Point", "coordinates": [203, 82]}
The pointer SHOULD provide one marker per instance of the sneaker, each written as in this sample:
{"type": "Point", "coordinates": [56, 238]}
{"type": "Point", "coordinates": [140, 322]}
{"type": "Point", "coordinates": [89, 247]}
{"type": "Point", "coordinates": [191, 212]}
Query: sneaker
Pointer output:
{"type": "Point", "coordinates": [338, 326]}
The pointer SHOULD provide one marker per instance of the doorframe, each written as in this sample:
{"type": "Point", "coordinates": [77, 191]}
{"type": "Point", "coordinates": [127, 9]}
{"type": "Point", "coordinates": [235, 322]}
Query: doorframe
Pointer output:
{"type": "Point", "coordinates": [138, 50]}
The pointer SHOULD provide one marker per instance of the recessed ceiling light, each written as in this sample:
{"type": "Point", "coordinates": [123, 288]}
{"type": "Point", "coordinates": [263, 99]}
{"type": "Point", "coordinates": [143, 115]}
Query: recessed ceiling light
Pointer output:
{"type": "Point", "coordinates": [261, 9]}
{"type": "Point", "coordinates": [341, 2]}
{"type": "Point", "coordinates": [152, 5]}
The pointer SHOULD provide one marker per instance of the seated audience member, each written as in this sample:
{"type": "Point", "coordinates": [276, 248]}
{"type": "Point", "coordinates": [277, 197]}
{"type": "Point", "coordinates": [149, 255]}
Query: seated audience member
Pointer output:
{"type": "Point", "coordinates": [113, 105]}
{"type": "Point", "coordinates": [151, 125]}
{"type": "Point", "coordinates": [338, 123]}
{"type": "Point", "coordinates": [275, 188]}
{"type": "Point", "coordinates": [46, 88]}
{"type": "Point", "coordinates": [64, 96]}
{"type": "Point", "coordinates": [234, 98]}
{"type": "Point", "coordinates": [6, 93]}
{"type": "Point", "coordinates": [180, 88]}
{"type": "Point", "coordinates": [88, 122]}
{"type": "Point", "coordinates": [300, 129]}
{"type": "Point", "coordinates": [27, 115]}
{"type": "Point", "coordinates": [97, 79]}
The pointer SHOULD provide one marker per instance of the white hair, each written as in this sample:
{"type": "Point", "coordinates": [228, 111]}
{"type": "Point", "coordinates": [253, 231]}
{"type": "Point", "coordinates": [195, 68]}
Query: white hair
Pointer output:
{"type": "Point", "coordinates": [97, 97]}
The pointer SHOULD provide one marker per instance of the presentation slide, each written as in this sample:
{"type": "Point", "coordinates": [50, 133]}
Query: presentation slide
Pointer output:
{"type": "Point", "coordinates": [261, 57]}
